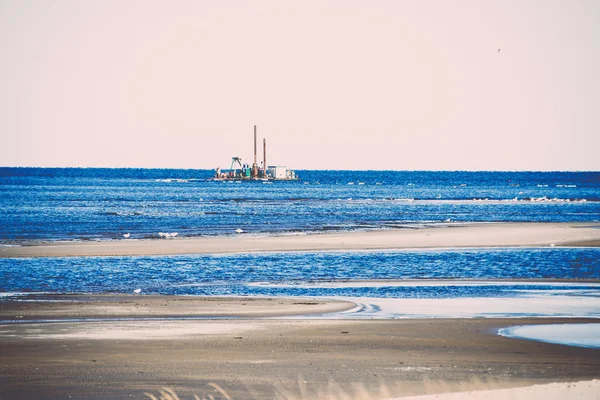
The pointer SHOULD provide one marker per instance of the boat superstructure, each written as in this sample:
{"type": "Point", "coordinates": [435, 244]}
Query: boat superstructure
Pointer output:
{"type": "Point", "coordinates": [239, 171]}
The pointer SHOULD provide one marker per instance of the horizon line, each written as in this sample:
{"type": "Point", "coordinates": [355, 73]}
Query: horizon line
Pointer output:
{"type": "Point", "coordinates": [314, 169]}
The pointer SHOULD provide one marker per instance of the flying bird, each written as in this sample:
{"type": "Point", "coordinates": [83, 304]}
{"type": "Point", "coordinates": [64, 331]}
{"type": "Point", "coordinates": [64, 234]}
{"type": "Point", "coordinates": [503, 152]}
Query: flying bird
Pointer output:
{"type": "Point", "coordinates": [498, 50]}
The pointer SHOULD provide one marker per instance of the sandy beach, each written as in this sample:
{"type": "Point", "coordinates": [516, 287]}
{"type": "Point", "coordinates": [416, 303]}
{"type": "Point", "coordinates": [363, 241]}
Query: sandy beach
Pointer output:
{"type": "Point", "coordinates": [474, 235]}
{"type": "Point", "coordinates": [250, 357]}
{"type": "Point", "coordinates": [123, 346]}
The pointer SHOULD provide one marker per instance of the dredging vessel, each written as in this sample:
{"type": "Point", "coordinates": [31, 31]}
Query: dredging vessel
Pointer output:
{"type": "Point", "coordinates": [240, 171]}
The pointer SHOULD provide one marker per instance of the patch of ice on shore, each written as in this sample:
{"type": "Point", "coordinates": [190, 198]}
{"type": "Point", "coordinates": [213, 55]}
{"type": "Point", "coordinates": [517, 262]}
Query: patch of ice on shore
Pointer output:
{"type": "Point", "coordinates": [584, 390]}
{"type": "Point", "coordinates": [131, 330]}
{"type": "Point", "coordinates": [580, 335]}
{"type": "Point", "coordinates": [515, 307]}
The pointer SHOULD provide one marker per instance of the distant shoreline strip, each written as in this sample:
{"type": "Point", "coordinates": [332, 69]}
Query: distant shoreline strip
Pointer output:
{"type": "Point", "coordinates": [463, 236]}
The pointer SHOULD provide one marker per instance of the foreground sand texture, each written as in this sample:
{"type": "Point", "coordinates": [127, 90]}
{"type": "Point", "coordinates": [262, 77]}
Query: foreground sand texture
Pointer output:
{"type": "Point", "coordinates": [254, 358]}
{"type": "Point", "coordinates": [477, 235]}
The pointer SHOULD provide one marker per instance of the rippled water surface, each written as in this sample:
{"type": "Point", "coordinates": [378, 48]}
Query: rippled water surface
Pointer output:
{"type": "Point", "coordinates": [380, 274]}
{"type": "Point", "coordinates": [102, 204]}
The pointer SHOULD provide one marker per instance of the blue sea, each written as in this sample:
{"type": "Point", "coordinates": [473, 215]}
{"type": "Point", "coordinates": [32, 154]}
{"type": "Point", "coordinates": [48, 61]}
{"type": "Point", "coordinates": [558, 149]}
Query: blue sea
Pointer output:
{"type": "Point", "coordinates": [104, 204]}
{"type": "Point", "coordinates": [43, 204]}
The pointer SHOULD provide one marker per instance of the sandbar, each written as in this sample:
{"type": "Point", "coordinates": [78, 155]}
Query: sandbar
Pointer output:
{"type": "Point", "coordinates": [451, 236]}
{"type": "Point", "coordinates": [35, 307]}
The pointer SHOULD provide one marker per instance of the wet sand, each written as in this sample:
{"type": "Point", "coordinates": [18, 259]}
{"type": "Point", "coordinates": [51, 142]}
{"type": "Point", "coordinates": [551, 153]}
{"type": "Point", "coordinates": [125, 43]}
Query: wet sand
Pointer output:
{"type": "Point", "coordinates": [251, 357]}
{"type": "Point", "coordinates": [475, 235]}
{"type": "Point", "coordinates": [81, 306]}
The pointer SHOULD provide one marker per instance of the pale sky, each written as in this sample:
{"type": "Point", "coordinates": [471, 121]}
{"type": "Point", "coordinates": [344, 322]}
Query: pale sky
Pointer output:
{"type": "Point", "coordinates": [401, 85]}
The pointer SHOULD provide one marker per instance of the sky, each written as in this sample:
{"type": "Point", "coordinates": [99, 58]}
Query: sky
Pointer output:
{"type": "Point", "coordinates": [397, 85]}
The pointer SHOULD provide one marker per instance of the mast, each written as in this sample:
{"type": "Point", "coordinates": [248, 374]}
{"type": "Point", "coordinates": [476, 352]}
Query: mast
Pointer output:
{"type": "Point", "coordinates": [254, 166]}
{"type": "Point", "coordinates": [264, 158]}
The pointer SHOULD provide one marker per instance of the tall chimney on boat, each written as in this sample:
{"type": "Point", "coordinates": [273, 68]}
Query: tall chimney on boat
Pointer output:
{"type": "Point", "coordinates": [264, 158]}
{"type": "Point", "coordinates": [254, 166]}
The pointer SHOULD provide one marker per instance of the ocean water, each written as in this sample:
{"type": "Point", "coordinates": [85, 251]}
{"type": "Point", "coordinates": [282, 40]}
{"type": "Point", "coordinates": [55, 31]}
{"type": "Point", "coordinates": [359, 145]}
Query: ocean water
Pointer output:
{"type": "Point", "coordinates": [465, 283]}
{"type": "Point", "coordinates": [39, 204]}
{"type": "Point", "coordinates": [382, 274]}
{"type": "Point", "coordinates": [104, 204]}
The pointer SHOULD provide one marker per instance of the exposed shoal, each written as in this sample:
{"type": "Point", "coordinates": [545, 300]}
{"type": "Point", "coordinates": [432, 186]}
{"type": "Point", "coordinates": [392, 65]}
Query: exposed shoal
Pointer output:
{"type": "Point", "coordinates": [467, 235]}
{"type": "Point", "coordinates": [113, 306]}
{"type": "Point", "coordinates": [254, 358]}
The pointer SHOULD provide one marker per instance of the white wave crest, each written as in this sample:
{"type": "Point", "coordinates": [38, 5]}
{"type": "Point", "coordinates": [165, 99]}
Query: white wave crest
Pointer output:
{"type": "Point", "coordinates": [167, 235]}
